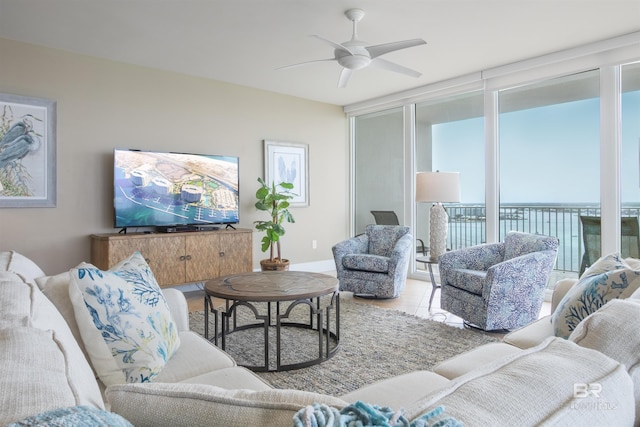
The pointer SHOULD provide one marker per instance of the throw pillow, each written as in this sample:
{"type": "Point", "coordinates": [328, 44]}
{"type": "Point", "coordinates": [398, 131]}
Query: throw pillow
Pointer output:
{"type": "Point", "coordinates": [184, 404]}
{"type": "Point", "coordinates": [608, 278]}
{"type": "Point", "coordinates": [613, 331]}
{"type": "Point", "coordinates": [124, 320]}
{"type": "Point", "coordinates": [74, 416]}
{"type": "Point", "coordinates": [14, 262]}
{"type": "Point", "coordinates": [56, 289]}
{"type": "Point", "coordinates": [607, 263]}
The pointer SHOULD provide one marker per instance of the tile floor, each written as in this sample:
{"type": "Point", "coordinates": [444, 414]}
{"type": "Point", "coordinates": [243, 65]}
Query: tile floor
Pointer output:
{"type": "Point", "coordinates": [413, 300]}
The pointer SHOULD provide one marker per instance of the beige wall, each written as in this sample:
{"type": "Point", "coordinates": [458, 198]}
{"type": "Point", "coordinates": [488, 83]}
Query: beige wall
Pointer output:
{"type": "Point", "coordinates": [102, 105]}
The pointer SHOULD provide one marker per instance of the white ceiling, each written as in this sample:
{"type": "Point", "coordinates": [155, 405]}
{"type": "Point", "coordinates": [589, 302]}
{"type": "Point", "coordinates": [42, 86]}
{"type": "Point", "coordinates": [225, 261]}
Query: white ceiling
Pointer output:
{"type": "Point", "coordinates": [244, 41]}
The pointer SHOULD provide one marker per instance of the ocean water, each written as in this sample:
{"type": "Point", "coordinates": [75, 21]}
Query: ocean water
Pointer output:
{"type": "Point", "coordinates": [467, 227]}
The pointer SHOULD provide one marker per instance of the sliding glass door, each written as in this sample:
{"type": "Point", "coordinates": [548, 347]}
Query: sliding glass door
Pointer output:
{"type": "Point", "coordinates": [378, 166]}
{"type": "Point", "coordinates": [630, 159]}
{"type": "Point", "coordinates": [549, 160]}
{"type": "Point", "coordinates": [450, 138]}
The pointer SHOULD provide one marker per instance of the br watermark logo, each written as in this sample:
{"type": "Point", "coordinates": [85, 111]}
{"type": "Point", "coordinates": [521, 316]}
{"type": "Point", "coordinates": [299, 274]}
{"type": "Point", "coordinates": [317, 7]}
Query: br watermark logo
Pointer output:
{"type": "Point", "coordinates": [587, 390]}
{"type": "Point", "coordinates": [582, 390]}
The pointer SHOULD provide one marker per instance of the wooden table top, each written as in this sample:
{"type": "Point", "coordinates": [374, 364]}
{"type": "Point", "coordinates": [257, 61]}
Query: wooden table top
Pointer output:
{"type": "Point", "coordinates": [272, 286]}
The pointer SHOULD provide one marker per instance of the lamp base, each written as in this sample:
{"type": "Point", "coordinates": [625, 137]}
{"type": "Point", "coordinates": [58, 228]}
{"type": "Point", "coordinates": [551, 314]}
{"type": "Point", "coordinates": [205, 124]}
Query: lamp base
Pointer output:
{"type": "Point", "coordinates": [439, 221]}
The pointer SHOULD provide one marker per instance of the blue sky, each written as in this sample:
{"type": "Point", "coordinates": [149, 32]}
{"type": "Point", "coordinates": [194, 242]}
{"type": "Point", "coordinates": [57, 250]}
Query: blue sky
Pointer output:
{"type": "Point", "coordinates": [548, 154]}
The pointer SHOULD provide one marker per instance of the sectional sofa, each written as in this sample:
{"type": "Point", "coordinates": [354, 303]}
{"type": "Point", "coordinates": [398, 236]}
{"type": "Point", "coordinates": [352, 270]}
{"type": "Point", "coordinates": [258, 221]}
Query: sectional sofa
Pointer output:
{"type": "Point", "coordinates": [49, 369]}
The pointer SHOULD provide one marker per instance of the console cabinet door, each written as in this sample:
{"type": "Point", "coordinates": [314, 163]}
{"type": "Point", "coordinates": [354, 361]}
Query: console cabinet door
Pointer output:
{"type": "Point", "coordinates": [106, 254]}
{"type": "Point", "coordinates": [235, 254]}
{"type": "Point", "coordinates": [202, 252]}
{"type": "Point", "coordinates": [166, 258]}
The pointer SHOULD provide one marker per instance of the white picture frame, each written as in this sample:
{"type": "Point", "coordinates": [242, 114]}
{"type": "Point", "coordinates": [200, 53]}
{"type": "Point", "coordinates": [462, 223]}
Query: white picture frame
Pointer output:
{"type": "Point", "coordinates": [27, 152]}
{"type": "Point", "coordinates": [288, 162]}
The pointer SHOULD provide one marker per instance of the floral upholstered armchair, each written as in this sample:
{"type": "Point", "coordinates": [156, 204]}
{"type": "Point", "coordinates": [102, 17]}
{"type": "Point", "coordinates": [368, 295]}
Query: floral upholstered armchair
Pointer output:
{"type": "Point", "coordinates": [374, 263]}
{"type": "Point", "coordinates": [498, 286]}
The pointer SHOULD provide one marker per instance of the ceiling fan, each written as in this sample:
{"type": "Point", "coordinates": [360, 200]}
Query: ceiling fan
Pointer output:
{"type": "Point", "coordinates": [355, 55]}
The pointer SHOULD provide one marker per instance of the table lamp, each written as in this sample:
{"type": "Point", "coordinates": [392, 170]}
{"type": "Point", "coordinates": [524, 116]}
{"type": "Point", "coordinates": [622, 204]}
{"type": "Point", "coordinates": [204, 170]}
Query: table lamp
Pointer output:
{"type": "Point", "coordinates": [438, 187]}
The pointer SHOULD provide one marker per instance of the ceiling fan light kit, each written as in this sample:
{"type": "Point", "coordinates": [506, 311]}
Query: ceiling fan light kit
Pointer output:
{"type": "Point", "coordinates": [355, 55]}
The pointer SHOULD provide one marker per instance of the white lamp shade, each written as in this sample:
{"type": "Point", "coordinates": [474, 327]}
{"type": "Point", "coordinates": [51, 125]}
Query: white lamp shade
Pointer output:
{"type": "Point", "coordinates": [438, 187]}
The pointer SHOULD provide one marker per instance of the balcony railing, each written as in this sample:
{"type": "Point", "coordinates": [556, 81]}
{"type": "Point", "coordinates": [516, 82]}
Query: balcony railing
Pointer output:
{"type": "Point", "coordinates": [467, 226]}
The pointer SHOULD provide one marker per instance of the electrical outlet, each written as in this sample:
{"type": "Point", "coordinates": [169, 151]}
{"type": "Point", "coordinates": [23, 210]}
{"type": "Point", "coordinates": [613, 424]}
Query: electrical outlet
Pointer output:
{"type": "Point", "coordinates": [314, 244]}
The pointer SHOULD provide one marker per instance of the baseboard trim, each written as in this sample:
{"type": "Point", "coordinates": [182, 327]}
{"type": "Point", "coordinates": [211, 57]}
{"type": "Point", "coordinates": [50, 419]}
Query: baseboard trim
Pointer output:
{"type": "Point", "coordinates": [314, 267]}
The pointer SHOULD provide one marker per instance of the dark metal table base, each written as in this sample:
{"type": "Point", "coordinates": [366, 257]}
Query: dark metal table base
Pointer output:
{"type": "Point", "coordinates": [434, 286]}
{"type": "Point", "coordinates": [227, 324]}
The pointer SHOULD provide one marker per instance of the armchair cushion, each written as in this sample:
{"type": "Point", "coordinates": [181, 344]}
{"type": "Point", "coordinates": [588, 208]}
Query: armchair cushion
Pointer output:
{"type": "Point", "coordinates": [366, 262]}
{"type": "Point", "coordinates": [479, 257]}
{"type": "Point", "coordinates": [469, 280]}
{"type": "Point", "coordinates": [517, 244]}
{"type": "Point", "coordinates": [383, 239]}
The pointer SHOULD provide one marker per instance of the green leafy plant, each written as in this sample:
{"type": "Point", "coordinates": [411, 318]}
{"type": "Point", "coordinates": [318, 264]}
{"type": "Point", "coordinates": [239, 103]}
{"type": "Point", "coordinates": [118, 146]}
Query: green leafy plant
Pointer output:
{"type": "Point", "coordinates": [276, 202]}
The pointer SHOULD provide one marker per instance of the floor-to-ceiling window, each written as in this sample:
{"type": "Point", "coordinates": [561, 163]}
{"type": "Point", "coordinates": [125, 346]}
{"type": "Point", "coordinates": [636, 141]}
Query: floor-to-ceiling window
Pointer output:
{"type": "Point", "coordinates": [630, 156]}
{"type": "Point", "coordinates": [449, 137]}
{"type": "Point", "coordinates": [538, 144]}
{"type": "Point", "coordinates": [549, 160]}
{"type": "Point", "coordinates": [378, 166]}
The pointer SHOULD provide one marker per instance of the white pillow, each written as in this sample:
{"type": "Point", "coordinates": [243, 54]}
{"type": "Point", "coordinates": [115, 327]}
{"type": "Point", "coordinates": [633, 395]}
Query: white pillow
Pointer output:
{"type": "Point", "coordinates": [56, 289]}
{"type": "Point", "coordinates": [124, 320]}
{"type": "Point", "coordinates": [14, 262]}
{"type": "Point", "coordinates": [613, 331]}
{"type": "Point", "coordinates": [608, 278]}
{"type": "Point", "coordinates": [183, 404]}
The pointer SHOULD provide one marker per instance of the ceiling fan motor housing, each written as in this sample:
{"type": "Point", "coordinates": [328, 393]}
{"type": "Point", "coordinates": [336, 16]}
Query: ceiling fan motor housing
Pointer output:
{"type": "Point", "coordinates": [357, 59]}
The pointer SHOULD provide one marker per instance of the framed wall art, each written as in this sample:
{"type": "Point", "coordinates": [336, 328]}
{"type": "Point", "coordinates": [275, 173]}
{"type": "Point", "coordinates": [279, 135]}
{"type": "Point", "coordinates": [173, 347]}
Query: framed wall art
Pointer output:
{"type": "Point", "coordinates": [288, 162]}
{"type": "Point", "coordinates": [27, 152]}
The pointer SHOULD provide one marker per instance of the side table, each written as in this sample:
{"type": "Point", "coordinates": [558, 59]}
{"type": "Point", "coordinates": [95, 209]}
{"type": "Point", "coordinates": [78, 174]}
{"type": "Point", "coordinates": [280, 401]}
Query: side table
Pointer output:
{"type": "Point", "coordinates": [429, 262]}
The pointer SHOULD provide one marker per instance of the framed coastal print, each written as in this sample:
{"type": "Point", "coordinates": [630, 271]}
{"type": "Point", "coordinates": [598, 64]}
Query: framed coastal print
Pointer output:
{"type": "Point", "coordinates": [288, 162]}
{"type": "Point", "coordinates": [27, 152]}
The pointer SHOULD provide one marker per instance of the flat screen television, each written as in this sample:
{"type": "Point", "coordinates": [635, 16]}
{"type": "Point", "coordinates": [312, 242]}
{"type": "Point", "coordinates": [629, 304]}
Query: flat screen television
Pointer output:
{"type": "Point", "coordinates": [174, 191]}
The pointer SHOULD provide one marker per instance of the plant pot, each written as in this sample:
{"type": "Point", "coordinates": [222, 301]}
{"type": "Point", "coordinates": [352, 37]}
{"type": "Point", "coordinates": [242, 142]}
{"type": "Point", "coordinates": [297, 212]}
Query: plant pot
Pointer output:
{"type": "Point", "coordinates": [275, 265]}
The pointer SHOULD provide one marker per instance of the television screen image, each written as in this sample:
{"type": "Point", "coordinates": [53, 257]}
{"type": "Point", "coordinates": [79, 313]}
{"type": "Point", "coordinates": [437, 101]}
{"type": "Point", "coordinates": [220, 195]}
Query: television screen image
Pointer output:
{"type": "Point", "coordinates": [158, 189]}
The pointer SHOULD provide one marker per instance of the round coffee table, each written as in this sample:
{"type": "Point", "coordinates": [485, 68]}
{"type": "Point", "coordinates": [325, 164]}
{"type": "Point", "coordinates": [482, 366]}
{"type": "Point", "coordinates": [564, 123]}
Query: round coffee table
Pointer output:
{"type": "Point", "coordinates": [291, 288]}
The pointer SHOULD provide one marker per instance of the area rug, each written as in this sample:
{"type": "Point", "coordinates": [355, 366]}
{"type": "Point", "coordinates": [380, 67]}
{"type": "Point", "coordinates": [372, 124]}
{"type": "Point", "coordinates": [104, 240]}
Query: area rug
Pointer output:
{"type": "Point", "coordinates": [375, 343]}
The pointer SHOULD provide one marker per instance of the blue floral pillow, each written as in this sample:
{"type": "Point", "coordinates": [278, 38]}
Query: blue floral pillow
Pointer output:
{"type": "Point", "coordinates": [124, 320]}
{"type": "Point", "coordinates": [608, 278]}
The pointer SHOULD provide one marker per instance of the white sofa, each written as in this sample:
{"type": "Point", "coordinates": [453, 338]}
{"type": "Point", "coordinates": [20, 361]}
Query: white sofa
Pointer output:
{"type": "Point", "coordinates": [43, 367]}
{"type": "Point", "coordinates": [611, 330]}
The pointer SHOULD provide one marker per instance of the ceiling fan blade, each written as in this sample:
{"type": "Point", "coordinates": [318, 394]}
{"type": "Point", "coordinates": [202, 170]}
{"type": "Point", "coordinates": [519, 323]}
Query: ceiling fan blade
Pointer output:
{"type": "Point", "coordinates": [392, 66]}
{"type": "Point", "coordinates": [344, 77]}
{"type": "Point", "coordinates": [304, 63]}
{"type": "Point", "coordinates": [332, 43]}
{"type": "Point", "coordinates": [381, 49]}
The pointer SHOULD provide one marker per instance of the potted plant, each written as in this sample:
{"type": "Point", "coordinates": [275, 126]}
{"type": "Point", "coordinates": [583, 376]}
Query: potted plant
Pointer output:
{"type": "Point", "coordinates": [275, 201]}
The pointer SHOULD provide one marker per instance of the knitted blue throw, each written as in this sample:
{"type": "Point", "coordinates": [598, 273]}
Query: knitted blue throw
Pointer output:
{"type": "Point", "coordinates": [362, 414]}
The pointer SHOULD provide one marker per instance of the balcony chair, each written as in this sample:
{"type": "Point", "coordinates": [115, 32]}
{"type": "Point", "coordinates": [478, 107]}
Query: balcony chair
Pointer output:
{"type": "Point", "coordinates": [498, 286]}
{"type": "Point", "coordinates": [390, 218]}
{"type": "Point", "coordinates": [591, 230]}
{"type": "Point", "coordinates": [375, 263]}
